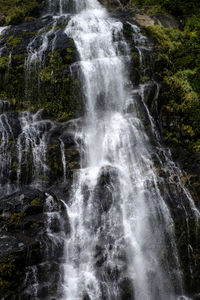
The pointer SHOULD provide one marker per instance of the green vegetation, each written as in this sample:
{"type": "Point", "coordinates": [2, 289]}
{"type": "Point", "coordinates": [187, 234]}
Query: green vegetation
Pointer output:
{"type": "Point", "coordinates": [12, 84]}
{"type": "Point", "coordinates": [7, 270]}
{"type": "Point", "coordinates": [177, 69]}
{"type": "Point", "coordinates": [37, 202]}
{"type": "Point", "coordinates": [13, 223]}
{"type": "Point", "coordinates": [59, 92]}
{"type": "Point", "coordinates": [188, 234]}
{"type": "Point", "coordinates": [48, 85]}
{"type": "Point", "coordinates": [178, 8]}
{"type": "Point", "coordinates": [177, 65]}
{"type": "Point", "coordinates": [16, 11]}
{"type": "Point", "coordinates": [13, 41]}
{"type": "Point", "coordinates": [4, 62]}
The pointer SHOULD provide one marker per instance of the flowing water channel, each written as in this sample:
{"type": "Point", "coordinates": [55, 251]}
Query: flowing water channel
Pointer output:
{"type": "Point", "coordinates": [119, 219]}
{"type": "Point", "coordinates": [121, 243]}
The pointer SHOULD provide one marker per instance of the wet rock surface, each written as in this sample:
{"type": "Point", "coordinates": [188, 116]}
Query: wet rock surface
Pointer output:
{"type": "Point", "coordinates": [32, 230]}
{"type": "Point", "coordinates": [33, 219]}
{"type": "Point", "coordinates": [41, 50]}
{"type": "Point", "coordinates": [27, 243]}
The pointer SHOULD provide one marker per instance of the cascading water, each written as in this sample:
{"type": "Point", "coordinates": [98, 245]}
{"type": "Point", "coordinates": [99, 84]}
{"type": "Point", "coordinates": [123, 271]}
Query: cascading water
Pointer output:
{"type": "Point", "coordinates": [32, 144]}
{"type": "Point", "coordinates": [120, 223]}
{"type": "Point", "coordinates": [116, 226]}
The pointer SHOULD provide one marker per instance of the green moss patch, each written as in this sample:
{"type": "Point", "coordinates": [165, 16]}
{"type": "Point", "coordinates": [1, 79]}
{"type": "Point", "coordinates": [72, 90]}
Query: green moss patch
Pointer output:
{"type": "Point", "coordinates": [177, 66]}
{"type": "Point", "coordinates": [37, 202]}
{"type": "Point", "coordinates": [16, 11]}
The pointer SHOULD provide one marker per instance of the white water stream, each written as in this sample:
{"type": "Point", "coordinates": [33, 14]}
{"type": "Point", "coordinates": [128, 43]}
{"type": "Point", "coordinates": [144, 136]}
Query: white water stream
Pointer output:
{"type": "Point", "coordinates": [121, 238]}
{"type": "Point", "coordinates": [116, 204]}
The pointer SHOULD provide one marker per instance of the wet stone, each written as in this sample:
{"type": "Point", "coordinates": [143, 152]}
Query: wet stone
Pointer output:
{"type": "Point", "coordinates": [126, 287]}
{"type": "Point", "coordinates": [5, 106]}
{"type": "Point", "coordinates": [9, 244]}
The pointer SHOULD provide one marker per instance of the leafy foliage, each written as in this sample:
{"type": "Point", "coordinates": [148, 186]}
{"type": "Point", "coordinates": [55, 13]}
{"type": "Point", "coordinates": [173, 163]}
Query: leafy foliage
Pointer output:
{"type": "Point", "coordinates": [16, 11]}
{"type": "Point", "coordinates": [178, 69]}
{"type": "Point", "coordinates": [177, 8]}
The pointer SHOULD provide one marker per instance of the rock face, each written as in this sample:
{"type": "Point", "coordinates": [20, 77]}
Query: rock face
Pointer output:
{"type": "Point", "coordinates": [163, 20]}
{"type": "Point", "coordinates": [22, 250]}
{"type": "Point", "coordinates": [39, 155]}
{"type": "Point", "coordinates": [111, 3]}
{"type": "Point", "coordinates": [15, 12]}
{"type": "Point", "coordinates": [44, 55]}
{"type": "Point", "coordinates": [38, 159]}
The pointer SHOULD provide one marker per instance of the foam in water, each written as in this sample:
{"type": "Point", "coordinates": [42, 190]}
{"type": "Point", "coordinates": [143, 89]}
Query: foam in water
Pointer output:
{"type": "Point", "coordinates": [116, 205]}
{"type": "Point", "coordinates": [3, 29]}
{"type": "Point", "coordinates": [121, 228]}
{"type": "Point", "coordinates": [32, 144]}
{"type": "Point", "coordinates": [6, 135]}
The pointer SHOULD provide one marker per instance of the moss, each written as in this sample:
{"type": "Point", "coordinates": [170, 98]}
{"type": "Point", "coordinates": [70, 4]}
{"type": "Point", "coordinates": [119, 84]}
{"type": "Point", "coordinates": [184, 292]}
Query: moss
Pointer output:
{"type": "Point", "coordinates": [187, 234]}
{"type": "Point", "coordinates": [45, 74]}
{"type": "Point", "coordinates": [170, 138]}
{"type": "Point", "coordinates": [12, 84]}
{"type": "Point", "coordinates": [54, 161]}
{"type": "Point", "coordinates": [53, 290]}
{"type": "Point", "coordinates": [181, 81]}
{"type": "Point", "coordinates": [58, 91]}
{"type": "Point", "coordinates": [4, 286]}
{"type": "Point", "coordinates": [177, 66]}
{"type": "Point", "coordinates": [43, 177]}
{"type": "Point", "coordinates": [46, 29]}
{"type": "Point", "coordinates": [37, 202]}
{"type": "Point", "coordinates": [178, 8]}
{"type": "Point", "coordinates": [69, 50]}
{"type": "Point", "coordinates": [13, 41]}
{"type": "Point", "coordinates": [7, 272]}
{"type": "Point", "coordinates": [6, 268]}
{"type": "Point", "coordinates": [14, 220]}
{"type": "Point", "coordinates": [60, 26]}
{"type": "Point", "coordinates": [49, 85]}
{"type": "Point", "coordinates": [29, 19]}
{"type": "Point", "coordinates": [144, 79]}
{"type": "Point", "coordinates": [168, 40]}
{"type": "Point", "coordinates": [2, 36]}
{"type": "Point", "coordinates": [4, 62]}
{"type": "Point", "coordinates": [33, 226]}
{"type": "Point", "coordinates": [16, 11]}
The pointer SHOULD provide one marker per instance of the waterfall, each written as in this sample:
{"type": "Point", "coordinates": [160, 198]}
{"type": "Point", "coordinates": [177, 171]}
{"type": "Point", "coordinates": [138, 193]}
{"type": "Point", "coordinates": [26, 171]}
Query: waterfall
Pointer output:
{"type": "Point", "coordinates": [122, 235]}
{"type": "Point", "coordinates": [32, 145]}
{"type": "Point", "coordinates": [108, 220]}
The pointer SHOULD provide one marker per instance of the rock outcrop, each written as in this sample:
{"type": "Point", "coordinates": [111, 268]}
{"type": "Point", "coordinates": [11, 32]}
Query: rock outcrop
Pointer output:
{"type": "Point", "coordinates": [39, 67]}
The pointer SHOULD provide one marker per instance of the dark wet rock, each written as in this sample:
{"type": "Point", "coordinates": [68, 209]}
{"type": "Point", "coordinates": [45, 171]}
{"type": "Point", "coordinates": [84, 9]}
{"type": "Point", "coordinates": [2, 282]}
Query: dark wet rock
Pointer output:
{"type": "Point", "coordinates": [126, 287]}
{"type": "Point", "coordinates": [104, 191]}
{"type": "Point", "coordinates": [9, 244]}
{"type": "Point", "coordinates": [71, 152]}
{"type": "Point", "coordinates": [25, 32]}
{"type": "Point", "coordinates": [12, 123]}
{"type": "Point", "coordinates": [5, 106]}
{"type": "Point", "coordinates": [49, 77]}
{"type": "Point", "coordinates": [62, 43]}
{"type": "Point", "coordinates": [28, 201]}
{"type": "Point", "coordinates": [144, 20]}
{"type": "Point", "coordinates": [86, 297]}
{"type": "Point", "coordinates": [100, 255]}
{"type": "Point", "coordinates": [68, 139]}
{"type": "Point", "coordinates": [31, 247]}
{"type": "Point", "coordinates": [150, 92]}
{"type": "Point", "coordinates": [24, 242]}
{"type": "Point", "coordinates": [114, 4]}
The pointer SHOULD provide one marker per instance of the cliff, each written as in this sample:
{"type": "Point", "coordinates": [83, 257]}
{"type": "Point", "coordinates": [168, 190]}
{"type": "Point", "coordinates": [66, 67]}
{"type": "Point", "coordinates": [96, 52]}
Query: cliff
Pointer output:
{"type": "Point", "coordinates": [41, 94]}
